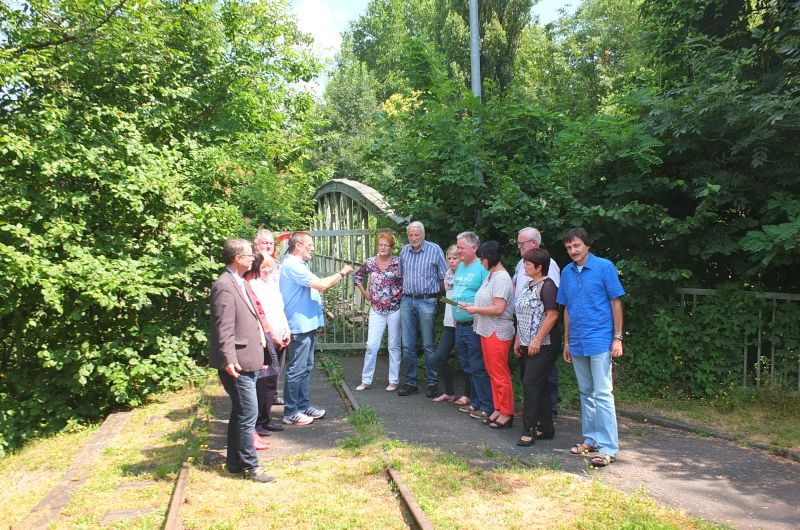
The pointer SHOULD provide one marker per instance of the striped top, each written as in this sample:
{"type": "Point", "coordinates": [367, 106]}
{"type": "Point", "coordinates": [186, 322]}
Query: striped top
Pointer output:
{"type": "Point", "coordinates": [422, 270]}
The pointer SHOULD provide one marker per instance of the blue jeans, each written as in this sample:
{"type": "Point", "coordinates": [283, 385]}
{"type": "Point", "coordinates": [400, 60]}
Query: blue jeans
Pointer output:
{"type": "Point", "coordinates": [598, 414]}
{"type": "Point", "coordinates": [241, 454]}
{"type": "Point", "coordinates": [470, 355]}
{"type": "Point", "coordinates": [299, 362]}
{"type": "Point", "coordinates": [417, 315]}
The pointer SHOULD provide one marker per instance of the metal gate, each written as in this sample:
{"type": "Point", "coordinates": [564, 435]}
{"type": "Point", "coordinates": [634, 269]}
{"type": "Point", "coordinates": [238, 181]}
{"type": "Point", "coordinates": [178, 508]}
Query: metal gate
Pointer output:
{"type": "Point", "coordinates": [348, 216]}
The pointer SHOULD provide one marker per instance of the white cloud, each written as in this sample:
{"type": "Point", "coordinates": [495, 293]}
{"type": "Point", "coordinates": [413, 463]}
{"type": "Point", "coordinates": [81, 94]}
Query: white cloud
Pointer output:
{"type": "Point", "coordinates": [316, 18]}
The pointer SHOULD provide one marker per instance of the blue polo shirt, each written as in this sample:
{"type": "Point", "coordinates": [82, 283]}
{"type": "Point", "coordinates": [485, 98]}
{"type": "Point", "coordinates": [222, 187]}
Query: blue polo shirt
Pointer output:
{"type": "Point", "coordinates": [466, 282]}
{"type": "Point", "coordinates": [301, 303]}
{"type": "Point", "coordinates": [587, 296]}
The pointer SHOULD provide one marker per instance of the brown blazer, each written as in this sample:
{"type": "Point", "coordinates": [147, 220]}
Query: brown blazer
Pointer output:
{"type": "Point", "coordinates": [235, 334]}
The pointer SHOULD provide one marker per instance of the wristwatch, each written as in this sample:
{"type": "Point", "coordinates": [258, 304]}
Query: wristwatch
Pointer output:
{"type": "Point", "coordinates": [618, 337]}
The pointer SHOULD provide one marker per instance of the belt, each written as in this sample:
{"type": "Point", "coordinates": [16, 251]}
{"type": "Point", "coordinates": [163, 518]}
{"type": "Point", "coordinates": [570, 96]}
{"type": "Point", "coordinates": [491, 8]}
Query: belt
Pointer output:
{"type": "Point", "coordinates": [418, 296]}
{"type": "Point", "coordinates": [463, 323]}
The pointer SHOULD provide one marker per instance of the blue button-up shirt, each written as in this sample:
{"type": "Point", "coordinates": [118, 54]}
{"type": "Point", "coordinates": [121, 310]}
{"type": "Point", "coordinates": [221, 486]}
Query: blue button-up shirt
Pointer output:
{"type": "Point", "coordinates": [587, 295]}
{"type": "Point", "coordinates": [301, 303]}
{"type": "Point", "coordinates": [422, 271]}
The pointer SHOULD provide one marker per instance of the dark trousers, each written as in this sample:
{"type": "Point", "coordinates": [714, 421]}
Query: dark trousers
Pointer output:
{"type": "Point", "coordinates": [447, 342]}
{"type": "Point", "coordinates": [241, 454]}
{"type": "Point", "coordinates": [266, 390]}
{"type": "Point", "coordinates": [537, 411]}
{"type": "Point", "coordinates": [552, 378]}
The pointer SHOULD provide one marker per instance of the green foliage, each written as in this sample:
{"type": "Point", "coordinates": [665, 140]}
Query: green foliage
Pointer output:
{"type": "Point", "coordinates": [697, 350]}
{"type": "Point", "coordinates": [667, 128]}
{"type": "Point", "coordinates": [134, 139]}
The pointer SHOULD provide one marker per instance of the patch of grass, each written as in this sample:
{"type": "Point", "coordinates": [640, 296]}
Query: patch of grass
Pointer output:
{"type": "Point", "coordinates": [517, 497]}
{"type": "Point", "coordinates": [148, 453]}
{"type": "Point", "coordinates": [765, 416]}
{"type": "Point", "coordinates": [333, 368]}
{"type": "Point", "coordinates": [30, 473]}
{"type": "Point", "coordinates": [368, 426]}
{"type": "Point", "coordinates": [327, 489]}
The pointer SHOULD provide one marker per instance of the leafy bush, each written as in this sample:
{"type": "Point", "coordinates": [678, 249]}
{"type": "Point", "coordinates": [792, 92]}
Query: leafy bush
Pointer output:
{"type": "Point", "coordinates": [134, 139]}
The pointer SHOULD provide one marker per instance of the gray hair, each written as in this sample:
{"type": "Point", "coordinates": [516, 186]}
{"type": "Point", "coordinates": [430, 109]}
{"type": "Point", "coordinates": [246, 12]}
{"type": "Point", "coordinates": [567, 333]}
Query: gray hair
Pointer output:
{"type": "Point", "coordinates": [263, 232]}
{"type": "Point", "coordinates": [532, 234]}
{"type": "Point", "coordinates": [233, 248]}
{"type": "Point", "coordinates": [471, 238]}
{"type": "Point", "coordinates": [416, 224]}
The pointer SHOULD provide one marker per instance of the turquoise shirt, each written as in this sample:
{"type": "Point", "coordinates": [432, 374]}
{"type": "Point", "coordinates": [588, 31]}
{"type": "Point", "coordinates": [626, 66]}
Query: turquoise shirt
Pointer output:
{"type": "Point", "coordinates": [466, 282]}
{"type": "Point", "coordinates": [302, 304]}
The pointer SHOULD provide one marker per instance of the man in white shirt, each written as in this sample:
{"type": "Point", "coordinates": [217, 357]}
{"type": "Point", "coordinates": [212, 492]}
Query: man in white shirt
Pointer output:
{"type": "Point", "coordinates": [529, 238]}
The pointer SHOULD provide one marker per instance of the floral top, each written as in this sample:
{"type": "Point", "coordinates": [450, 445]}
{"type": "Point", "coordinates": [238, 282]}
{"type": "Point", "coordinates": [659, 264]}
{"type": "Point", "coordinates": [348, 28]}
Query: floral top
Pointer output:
{"type": "Point", "coordinates": [532, 304]}
{"type": "Point", "coordinates": [385, 287]}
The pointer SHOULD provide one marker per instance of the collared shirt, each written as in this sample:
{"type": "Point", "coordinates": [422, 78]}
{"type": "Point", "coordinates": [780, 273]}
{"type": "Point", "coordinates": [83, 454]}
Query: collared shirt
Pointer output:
{"type": "Point", "coordinates": [521, 280]}
{"type": "Point", "coordinates": [422, 270]}
{"type": "Point", "coordinates": [466, 282]}
{"type": "Point", "coordinates": [587, 294]}
{"type": "Point", "coordinates": [301, 303]}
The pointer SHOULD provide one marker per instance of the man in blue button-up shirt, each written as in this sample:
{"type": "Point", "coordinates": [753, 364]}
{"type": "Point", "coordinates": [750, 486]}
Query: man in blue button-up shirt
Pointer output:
{"type": "Point", "coordinates": [591, 293]}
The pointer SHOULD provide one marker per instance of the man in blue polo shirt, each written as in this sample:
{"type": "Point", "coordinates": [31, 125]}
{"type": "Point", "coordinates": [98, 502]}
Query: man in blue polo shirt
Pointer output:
{"type": "Point", "coordinates": [422, 267]}
{"type": "Point", "coordinates": [300, 289]}
{"type": "Point", "coordinates": [468, 278]}
{"type": "Point", "coordinates": [591, 293]}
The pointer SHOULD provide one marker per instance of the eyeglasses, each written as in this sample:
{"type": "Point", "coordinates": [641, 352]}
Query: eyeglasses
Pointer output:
{"type": "Point", "coordinates": [521, 244]}
{"type": "Point", "coordinates": [384, 245]}
{"type": "Point", "coordinates": [246, 255]}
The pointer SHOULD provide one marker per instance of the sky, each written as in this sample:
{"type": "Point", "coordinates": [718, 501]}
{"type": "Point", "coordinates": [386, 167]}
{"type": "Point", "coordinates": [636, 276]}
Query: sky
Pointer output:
{"type": "Point", "coordinates": [325, 19]}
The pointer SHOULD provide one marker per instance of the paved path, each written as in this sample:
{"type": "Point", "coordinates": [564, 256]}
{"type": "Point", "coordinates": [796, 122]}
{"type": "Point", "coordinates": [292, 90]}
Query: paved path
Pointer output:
{"type": "Point", "coordinates": [704, 477]}
{"type": "Point", "coordinates": [320, 435]}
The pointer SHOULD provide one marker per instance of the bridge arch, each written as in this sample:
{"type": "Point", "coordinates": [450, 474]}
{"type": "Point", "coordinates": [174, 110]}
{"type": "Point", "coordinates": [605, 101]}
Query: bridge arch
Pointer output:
{"type": "Point", "coordinates": [348, 216]}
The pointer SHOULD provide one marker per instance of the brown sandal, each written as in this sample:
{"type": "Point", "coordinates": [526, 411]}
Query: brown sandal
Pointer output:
{"type": "Point", "coordinates": [601, 460]}
{"type": "Point", "coordinates": [582, 448]}
{"type": "Point", "coordinates": [463, 400]}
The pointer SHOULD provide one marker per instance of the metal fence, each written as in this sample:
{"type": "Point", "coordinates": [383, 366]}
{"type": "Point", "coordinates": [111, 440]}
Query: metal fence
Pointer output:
{"type": "Point", "coordinates": [771, 344]}
{"type": "Point", "coordinates": [347, 219]}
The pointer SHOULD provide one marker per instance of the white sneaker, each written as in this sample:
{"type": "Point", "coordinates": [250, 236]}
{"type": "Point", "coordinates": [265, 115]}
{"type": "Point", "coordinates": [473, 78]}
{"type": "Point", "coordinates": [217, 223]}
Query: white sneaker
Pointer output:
{"type": "Point", "coordinates": [314, 413]}
{"type": "Point", "coordinates": [298, 419]}
{"type": "Point", "coordinates": [362, 386]}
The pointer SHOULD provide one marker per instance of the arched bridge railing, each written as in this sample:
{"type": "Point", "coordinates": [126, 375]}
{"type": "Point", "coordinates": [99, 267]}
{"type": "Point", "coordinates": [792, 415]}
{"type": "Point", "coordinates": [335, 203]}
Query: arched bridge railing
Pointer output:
{"type": "Point", "coordinates": [348, 215]}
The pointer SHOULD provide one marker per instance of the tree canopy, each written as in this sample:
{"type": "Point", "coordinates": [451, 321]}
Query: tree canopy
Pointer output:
{"type": "Point", "coordinates": [135, 137]}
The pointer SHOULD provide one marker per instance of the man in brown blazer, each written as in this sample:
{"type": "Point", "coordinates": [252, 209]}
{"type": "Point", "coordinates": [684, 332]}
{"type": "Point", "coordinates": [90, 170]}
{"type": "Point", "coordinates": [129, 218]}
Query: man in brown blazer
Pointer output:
{"type": "Point", "coordinates": [237, 352]}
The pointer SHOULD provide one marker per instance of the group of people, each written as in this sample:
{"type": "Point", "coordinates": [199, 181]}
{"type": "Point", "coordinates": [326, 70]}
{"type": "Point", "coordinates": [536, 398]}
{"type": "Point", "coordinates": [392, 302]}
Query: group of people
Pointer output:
{"type": "Point", "coordinates": [263, 310]}
{"type": "Point", "coordinates": [489, 313]}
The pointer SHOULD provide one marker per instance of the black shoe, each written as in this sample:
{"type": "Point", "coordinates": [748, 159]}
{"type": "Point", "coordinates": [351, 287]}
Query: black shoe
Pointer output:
{"type": "Point", "coordinates": [257, 474]}
{"type": "Point", "coordinates": [433, 391]}
{"type": "Point", "coordinates": [274, 427]}
{"type": "Point", "coordinates": [261, 431]}
{"type": "Point", "coordinates": [407, 390]}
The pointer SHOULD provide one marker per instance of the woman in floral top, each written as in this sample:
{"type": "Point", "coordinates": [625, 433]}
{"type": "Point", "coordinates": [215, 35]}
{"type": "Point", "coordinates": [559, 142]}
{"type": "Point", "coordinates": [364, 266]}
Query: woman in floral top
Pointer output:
{"type": "Point", "coordinates": [384, 295]}
{"type": "Point", "coordinates": [537, 345]}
